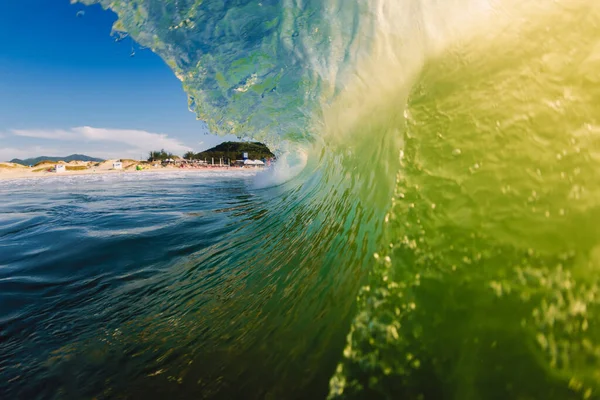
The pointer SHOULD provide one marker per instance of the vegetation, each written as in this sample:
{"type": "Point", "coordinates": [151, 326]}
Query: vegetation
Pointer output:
{"type": "Point", "coordinates": [76, 167]}
{"type": "Point", "coordinates": [43, 162]}
{"type": "Point", "coordinates": [234, 151]}
{"type": "Point", "coordinates": [161, 155]}
{"type": "Point", "coordinates": [42, 169]}
{"type": "Point", "coordinates": [39, 160]}
{"type": "Point", "coordinates": [4, 165]}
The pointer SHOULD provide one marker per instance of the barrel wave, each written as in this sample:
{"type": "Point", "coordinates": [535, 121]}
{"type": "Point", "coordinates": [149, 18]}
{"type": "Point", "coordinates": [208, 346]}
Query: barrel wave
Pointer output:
{"type": "Point", "coordinates": [443, 239]}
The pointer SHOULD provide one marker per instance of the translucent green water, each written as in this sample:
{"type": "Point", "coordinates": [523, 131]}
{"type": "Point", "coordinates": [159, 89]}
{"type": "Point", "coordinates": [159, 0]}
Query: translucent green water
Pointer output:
{"type": "Point", "coordinates": [487, 283]}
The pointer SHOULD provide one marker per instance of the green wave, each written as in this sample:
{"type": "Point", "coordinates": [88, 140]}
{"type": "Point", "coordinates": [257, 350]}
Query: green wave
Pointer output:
{"type": "Point", "coordinates": [488, 285]}
{"type": "Point", "coordinates": [456, 140]}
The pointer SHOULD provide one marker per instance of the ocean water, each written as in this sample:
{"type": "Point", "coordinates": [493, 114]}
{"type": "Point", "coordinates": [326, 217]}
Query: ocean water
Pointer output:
{"type": "Point", "coordinates": [153, 285]}
{"type": "Point", "coordinates": [83, 256]}
{"type": "Point", "coordinates": [430, 232]}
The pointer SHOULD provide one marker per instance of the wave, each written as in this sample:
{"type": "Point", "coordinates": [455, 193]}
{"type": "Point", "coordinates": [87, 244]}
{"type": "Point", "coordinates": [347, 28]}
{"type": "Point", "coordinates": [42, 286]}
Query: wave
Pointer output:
{"type": "Point", "coordinates": [289, 165]}
{"type": "Point", "coordinates": [451, 181]}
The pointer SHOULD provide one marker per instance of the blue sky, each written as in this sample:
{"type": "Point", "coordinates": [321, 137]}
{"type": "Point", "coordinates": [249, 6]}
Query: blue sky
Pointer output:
{"type": "Point", "coordinates": [66, 86]}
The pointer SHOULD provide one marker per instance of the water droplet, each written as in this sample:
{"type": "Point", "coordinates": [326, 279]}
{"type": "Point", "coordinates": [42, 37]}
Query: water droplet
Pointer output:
{"type": "Point", "coordinates": [575, 384]}
{"type": "Point", "coordinates": [456, 152]}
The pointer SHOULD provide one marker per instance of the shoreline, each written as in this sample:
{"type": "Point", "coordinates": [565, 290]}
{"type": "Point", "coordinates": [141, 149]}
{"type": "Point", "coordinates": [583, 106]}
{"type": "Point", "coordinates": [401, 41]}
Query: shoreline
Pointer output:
{"type": "Point", "coordinates": [26, 173]}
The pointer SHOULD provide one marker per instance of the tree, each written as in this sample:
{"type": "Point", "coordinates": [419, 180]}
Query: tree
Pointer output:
{"type": "Point", "coordinates": [189, 155]}
{"type": "Point", "coordinates": [159, 155]}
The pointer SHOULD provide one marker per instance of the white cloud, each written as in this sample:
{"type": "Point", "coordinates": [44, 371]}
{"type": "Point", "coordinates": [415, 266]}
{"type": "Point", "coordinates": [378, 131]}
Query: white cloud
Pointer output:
{"type": "Point", "coordinates": [116, 142]}
{"type": "Point", "coordinates": [135, 138]}
{"type": "Point", "coordinates": [52, 134]}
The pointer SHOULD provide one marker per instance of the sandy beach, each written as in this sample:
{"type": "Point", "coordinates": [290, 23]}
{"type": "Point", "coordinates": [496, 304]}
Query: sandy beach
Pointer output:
{"type": "Point", "coordinates": [17, 171]}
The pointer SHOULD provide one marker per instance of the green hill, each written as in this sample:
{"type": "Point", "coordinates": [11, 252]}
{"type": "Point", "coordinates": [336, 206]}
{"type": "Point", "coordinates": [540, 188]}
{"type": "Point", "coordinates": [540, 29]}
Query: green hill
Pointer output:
{"type": "Point", "coordinates": [235, 151]}
{"type": "Point", "coordinates": [72, 157]}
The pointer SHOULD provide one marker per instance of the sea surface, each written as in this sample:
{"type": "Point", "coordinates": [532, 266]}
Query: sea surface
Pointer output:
{"type": "Point", "coordinates": [431, 229]}
{"type": "Point", "coordinates": [87, 260]}
{"type": "Point", "coordinates": [185, 285]}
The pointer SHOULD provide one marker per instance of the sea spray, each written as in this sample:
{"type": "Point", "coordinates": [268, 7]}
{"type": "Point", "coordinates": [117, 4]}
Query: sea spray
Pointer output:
{"type": "Point", "coordinates": [290, 163]}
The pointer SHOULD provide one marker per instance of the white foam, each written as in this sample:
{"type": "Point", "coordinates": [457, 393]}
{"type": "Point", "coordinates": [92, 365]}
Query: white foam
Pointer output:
{"type": "Point", "coordinates": [288, 165]}
{"type": "Point", "coordinates": [124, 177]}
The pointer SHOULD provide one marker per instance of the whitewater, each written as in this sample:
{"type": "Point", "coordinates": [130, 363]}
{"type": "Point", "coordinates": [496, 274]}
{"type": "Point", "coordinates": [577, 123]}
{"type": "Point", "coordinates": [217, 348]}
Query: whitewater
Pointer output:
{"type": "Point", "coordinates": [434, 233]}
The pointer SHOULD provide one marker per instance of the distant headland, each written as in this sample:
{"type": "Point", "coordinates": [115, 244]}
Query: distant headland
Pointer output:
{"type": "Point", "coordinates": [234, 151]}
{"type": "Point", "coordinates": [72, 157]}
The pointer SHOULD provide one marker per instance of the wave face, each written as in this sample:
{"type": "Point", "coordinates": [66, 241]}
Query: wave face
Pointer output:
{"type": "Point", "coordinates": [452, 181]}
